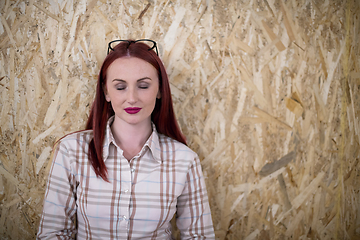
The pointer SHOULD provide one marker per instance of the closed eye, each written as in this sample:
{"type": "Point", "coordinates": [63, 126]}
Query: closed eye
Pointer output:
{"type": "Point", "coordinates": [143, 85]}
{"type": "Point", "coordinates": [120, 87]}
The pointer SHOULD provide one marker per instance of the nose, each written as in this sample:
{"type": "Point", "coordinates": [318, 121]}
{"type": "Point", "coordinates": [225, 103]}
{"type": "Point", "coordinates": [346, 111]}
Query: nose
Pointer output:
{"type": "Point", "coordinates": [132, 96]}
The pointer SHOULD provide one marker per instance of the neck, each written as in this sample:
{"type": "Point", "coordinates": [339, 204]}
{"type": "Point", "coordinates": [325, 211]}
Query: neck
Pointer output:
{"type": "Point", "coordinates": [130, 138]}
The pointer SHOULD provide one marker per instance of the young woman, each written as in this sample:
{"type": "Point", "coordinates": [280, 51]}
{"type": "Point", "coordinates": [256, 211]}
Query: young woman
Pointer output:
{"type": "Point", "coordinates": [128, 174]}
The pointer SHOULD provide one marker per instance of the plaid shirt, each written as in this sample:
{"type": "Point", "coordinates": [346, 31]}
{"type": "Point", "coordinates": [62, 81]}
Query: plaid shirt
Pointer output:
{"type": "Point", "coordinates": [140, 200]}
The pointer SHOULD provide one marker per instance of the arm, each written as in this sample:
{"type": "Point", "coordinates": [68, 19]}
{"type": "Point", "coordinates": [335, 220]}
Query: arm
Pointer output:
{"type": "Point", "coordinates": [59, 212]}
{"type": "Point", "coordinates": [193, 210]}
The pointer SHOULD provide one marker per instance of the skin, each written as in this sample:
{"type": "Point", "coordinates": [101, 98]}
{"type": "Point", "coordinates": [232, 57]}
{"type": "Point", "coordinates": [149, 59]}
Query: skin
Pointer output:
{"type": "Point", "coordinates": [131, 83]}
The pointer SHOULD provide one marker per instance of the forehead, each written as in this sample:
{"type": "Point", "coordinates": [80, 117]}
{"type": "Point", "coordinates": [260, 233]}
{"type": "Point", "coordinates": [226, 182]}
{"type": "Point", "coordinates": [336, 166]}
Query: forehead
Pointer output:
{"type": "Point", "coordinates": [131, 68]}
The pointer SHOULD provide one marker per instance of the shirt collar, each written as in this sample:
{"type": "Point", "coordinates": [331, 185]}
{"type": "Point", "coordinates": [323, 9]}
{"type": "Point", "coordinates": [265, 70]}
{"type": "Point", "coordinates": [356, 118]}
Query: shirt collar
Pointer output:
{"type": "Point", "coordinates": [153, 143]}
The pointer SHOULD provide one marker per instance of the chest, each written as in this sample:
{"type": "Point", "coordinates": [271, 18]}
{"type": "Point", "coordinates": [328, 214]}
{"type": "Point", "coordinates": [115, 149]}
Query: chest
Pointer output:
{"type": "Point", "coordinates": [141, 194]}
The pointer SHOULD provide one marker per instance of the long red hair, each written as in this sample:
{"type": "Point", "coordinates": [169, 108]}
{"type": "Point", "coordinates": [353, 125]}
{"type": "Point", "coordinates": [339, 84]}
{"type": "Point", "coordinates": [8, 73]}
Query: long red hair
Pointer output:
{"type": "Point", "coordinates": [163, 115]}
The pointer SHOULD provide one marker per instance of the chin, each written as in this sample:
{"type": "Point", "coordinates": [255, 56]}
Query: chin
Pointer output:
{"type": "Point", "coordinates": [135, 121]}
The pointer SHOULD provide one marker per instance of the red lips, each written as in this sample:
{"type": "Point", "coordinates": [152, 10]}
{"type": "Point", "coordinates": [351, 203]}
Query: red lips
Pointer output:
{"type": "Point", "coordinates": [132, 110]}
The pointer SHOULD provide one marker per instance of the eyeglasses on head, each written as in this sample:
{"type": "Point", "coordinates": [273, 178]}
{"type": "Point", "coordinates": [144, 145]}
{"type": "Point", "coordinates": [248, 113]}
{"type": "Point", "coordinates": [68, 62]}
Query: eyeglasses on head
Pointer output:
{"type": "Point", "coordinates": [111, 44]}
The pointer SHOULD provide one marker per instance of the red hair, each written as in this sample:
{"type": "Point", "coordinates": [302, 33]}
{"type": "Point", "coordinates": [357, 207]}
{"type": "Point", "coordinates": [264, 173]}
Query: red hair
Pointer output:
{"type": "Point", "coordinates": [162, 116]}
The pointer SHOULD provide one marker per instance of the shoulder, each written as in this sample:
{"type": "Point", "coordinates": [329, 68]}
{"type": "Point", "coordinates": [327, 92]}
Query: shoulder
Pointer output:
{"type": "Point", "coordinates": [75, 140]}
{"type": "Point", "coordinates": [72, 149]}
{"type": "Point", "coordinates": [180, 150]}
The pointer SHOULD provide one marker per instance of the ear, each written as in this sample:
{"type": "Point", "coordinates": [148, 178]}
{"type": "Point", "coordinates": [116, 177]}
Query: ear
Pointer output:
{"type": "Point", "coordinates": [158, 96]}
{"type": "Point", "coordinates": [107, 97]}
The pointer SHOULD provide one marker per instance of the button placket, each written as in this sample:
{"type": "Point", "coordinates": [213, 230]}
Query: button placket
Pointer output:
{"type": "Point", "coordinates": [126, 179]}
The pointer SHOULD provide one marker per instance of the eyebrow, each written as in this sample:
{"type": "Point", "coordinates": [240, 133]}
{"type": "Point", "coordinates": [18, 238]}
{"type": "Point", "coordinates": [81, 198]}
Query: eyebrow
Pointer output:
{"type": "Point", "coordinates": [139, 80]}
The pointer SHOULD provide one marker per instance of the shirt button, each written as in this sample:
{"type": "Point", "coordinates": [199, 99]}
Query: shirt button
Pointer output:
{"type": "Point", "coordinates": [132, 170]}
{"type": "Point", "coordinates": [126, 190]}
{"type": "Point", "coordinates": [124, 217]}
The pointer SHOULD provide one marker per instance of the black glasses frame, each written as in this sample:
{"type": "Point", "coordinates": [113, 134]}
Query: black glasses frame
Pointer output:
{"type": "Point", "coordinates": [130, 41]}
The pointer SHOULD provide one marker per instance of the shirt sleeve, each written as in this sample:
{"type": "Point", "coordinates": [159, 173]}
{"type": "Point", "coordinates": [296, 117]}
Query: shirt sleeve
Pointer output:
{"type": "Point", "coordinates": [58, 219]}
{"type": "Point", "coordinates": [193, 211]}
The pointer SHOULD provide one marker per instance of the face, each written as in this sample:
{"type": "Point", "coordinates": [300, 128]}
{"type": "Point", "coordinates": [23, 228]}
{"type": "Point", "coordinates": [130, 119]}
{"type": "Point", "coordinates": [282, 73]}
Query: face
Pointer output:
{"type": "Point", "coordinates": [132, 87]}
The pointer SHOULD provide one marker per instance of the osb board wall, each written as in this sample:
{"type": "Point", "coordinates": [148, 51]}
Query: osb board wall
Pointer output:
{"type": "Point", "coordinates": [265, 91]}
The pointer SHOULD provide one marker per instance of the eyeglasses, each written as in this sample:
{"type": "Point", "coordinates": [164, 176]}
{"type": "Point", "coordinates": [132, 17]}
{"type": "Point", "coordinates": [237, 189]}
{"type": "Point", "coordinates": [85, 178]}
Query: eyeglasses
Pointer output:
{"type": "Point", "coordinates": [147, 42]}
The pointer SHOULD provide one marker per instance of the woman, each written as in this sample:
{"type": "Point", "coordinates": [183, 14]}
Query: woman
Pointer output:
{"type": "Point", "coordinates": [130, 171]}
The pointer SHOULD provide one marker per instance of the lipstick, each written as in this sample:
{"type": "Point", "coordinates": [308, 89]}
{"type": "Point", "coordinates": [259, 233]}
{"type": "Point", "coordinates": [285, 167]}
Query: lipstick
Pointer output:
{"type": "Point", "coordinates": [132, 110]}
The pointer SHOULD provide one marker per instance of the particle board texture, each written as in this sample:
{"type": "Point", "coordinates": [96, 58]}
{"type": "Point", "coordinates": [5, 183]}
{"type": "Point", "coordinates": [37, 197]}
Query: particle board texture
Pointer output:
{"type": "Point", "coordinates": [266, 92]}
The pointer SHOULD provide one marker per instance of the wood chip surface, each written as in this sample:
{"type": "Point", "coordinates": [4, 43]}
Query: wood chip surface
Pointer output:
{"type": "Point", "coordinates": [266, 92]}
